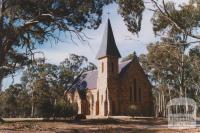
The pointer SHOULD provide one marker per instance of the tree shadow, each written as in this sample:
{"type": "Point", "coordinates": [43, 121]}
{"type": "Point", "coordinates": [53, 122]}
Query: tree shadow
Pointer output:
{"type": "Point", "coordinates": [137, 121]}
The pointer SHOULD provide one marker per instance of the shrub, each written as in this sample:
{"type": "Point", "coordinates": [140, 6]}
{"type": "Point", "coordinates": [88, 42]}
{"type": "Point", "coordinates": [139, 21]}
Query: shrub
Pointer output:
{"type": "Point", "coordinates": [133, 110]}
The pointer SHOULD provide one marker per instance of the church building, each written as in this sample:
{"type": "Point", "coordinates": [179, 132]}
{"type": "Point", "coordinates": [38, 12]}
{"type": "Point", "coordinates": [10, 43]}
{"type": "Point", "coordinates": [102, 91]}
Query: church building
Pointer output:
{"type": "Point", "coordinates": [114, 87]}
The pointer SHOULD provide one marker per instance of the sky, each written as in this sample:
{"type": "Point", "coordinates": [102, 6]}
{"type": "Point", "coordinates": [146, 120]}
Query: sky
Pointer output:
{"type": "Point", "coordinates": [126, 42]}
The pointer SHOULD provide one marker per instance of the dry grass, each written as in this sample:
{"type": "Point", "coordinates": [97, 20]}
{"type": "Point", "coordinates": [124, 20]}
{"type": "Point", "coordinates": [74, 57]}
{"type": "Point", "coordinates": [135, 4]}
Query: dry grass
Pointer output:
{"type": "Point", "coordinates": [139, 125]}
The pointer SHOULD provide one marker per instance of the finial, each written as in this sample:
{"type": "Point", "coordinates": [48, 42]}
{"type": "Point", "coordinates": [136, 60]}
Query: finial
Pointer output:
{"type": "Point", "coordinates": [108, 14]}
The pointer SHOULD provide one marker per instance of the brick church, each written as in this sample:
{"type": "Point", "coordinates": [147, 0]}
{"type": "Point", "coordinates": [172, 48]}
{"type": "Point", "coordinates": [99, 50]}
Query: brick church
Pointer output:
{"type": "Point", "coordinates": [114, 86]}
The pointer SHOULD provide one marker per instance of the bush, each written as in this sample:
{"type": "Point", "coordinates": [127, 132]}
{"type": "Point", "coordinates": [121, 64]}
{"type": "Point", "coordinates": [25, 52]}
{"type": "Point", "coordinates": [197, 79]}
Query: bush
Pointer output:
{"type": "Point", "coordinates": [133, 110]}
{"type": "Point", "coordinates": [80, 116]}
{"type": "Point", "coordinates": [1, 120]}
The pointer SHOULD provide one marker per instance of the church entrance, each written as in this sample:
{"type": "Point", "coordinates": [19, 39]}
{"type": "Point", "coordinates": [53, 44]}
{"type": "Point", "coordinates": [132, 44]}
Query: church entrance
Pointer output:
{"type": "Point", "coordinates": [97, 107]}
{"type": "Point", "coordinates": [97, 104]}
{"type": "Point", "coordinates": [87, 108]}
{"type": "Point", "coordinates": [113, 108]}
{"type": "Point", "coordinates": [105, 108]}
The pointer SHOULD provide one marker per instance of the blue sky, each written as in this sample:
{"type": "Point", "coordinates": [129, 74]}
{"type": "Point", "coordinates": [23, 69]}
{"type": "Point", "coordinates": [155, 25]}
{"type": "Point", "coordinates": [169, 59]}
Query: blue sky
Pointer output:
{"type": "Point", "coordinates": [127, 42]}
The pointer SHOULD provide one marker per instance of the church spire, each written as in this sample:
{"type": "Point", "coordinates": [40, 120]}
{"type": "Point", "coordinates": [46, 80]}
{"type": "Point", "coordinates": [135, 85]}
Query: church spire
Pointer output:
{"type": "Point", "coordinates": [108, 46]}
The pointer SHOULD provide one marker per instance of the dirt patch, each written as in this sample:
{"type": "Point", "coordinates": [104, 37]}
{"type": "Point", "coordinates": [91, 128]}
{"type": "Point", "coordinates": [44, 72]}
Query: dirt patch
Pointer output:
{"type": "Point", "coordinates": [94, 126]}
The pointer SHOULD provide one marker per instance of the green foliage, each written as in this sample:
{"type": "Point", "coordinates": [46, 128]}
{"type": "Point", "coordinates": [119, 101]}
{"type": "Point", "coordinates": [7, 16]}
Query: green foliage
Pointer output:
{"type": "Point", "coordinates": [168, 17]}
{"type": "Point", "coordinates": [172, 19]}
{"type": "Point", "coordinates": [64, 109]}
{"type": "Point", "coordinates": [129, 57]}
{"type": "Point", "coordinates": [172, 71]}
{"type": "Point", "coordinates": [26, 23]}
{"type": "Point", "coordinates": [15, 101]}
{"type": "Point", "coordinates": [41, 92]}
{"type": "Point", "coordinates": [131, 11]}
{"type": "Point", "coordinates": [1, 120]}
{"type": "Point", "coordinates": [173, 68]}
{"type": "Point", "coordinates": [168, 65]}
{"type": "Point", "coordinates": [72, 67]}
{"type": "Point", "coordinates": [133, 110]}
{"type": "Point", "coordinates": [35, 22]}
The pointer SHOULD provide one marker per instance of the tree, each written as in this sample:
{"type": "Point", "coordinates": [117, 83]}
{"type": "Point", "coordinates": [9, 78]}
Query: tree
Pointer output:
{"type": "Point", "coordinates": [47, 82]}
{"type": "Point", "coordinates": [72, 67]}
{"type": "Point", "coordinates": [133, 110]}
{"type": "Point", "coordinates": [129, 57]}
{"type": "Point", "coordinates": [170, 71]}
{"type": "Point", "coordinates": [167, 18]}
{"type": "Point", "coordinates": [35, 22]}
{"type": "Point", "coordinates": [131, 11]}
{"type": "Point", "coordinates": [26, 23]}
{"type": "Point", "coordinates": [42, 81]}
{"type": "Point", "coordinates": [194, 92]}
{"type": "Point", "coordinates": [15, 102]}
{"type": "Point", "coordinates": [183, 19]}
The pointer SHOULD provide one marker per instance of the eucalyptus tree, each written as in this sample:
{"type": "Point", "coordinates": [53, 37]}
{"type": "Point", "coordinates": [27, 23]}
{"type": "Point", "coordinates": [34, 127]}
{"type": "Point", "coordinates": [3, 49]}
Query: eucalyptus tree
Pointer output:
{"type": "Point", "coordinates": [15, 102]}
{"type": "Point", "coordinates": [47, 82]}
{"type": "Point", "coordinates": [72, 67]}
{"type": "Point", "coordinates": [172, 72]}
{"type": "Point", "coordinates": [168, 16]}
{"type": "Point", "coordinates": [26, 23]}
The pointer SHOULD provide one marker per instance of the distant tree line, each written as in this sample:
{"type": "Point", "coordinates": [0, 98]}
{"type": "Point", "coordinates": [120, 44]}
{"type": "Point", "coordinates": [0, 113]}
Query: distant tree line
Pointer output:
{"type": "Point", "coordinates": [41, 91]}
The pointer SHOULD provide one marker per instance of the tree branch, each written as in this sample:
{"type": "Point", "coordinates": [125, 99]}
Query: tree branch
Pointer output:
{"type": "Point", "coordinates": [168, 17]}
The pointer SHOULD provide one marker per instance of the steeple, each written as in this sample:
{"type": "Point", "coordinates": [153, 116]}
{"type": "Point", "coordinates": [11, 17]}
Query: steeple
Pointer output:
{"type": "Point", "coordinates": [108, 46]}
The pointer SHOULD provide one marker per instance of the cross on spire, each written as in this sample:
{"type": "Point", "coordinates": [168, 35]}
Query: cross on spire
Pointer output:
{"type": "Point", "coordinates": [108, 13]}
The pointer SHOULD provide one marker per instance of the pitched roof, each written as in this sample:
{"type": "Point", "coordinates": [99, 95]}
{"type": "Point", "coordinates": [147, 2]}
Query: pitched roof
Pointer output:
{"type": "Point", "coordinates": [89, 79]}
{"type": "Point", "coordinates": [108, 46]}
{"type": "Point", "coordinates": [125, 68]}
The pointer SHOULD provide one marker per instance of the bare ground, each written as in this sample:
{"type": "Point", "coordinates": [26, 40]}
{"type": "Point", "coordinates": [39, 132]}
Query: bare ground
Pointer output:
{"type": "Point", "coordinates": [111, 125]}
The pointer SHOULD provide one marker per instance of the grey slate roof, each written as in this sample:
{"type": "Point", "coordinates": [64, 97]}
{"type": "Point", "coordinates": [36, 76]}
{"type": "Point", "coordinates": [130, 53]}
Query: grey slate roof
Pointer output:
{"type": "Point", "coordinates": [89, 79]}
{"type": "Point", "coordinates": [108, 46]}
{"type": "Point", "coordinates": [125, 68]}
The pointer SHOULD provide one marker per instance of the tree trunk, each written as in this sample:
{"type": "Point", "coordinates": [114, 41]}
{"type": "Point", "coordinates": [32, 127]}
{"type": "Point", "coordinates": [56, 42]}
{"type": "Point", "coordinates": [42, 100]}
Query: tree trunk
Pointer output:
{"type": "Point", "coordinates": [2, 56]}
{"type": "Point", "coordinates": [32, 110]}
{"type": "Point", "coordinates": [32, 106]}
{"type": "Point", "coordinates": [54, 113]}
{"type": "Point", "coordinates": [1, 79]}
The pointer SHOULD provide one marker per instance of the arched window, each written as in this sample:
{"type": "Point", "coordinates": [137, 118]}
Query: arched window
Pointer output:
{"type": "Point", "coordinates": [139, 95]}
{"type": "Point", "coordinates": [135, 90]}
{"type": "Point", "coordinates": [131, 94]}
{"type": "Point", "coordinates": [102, 67]}
{"type": "Point", "coordinates": [113, 108]}
{"type": "Point", "coordinates": [112, 67]}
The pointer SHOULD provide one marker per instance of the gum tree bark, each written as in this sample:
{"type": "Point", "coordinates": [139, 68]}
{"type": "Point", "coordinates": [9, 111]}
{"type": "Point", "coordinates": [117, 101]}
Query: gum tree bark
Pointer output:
{"type": "Point", "coordinates": [1, 45]}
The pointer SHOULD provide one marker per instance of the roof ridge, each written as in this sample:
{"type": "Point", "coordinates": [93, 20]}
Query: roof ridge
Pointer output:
{"type": "Point", "coordinates": [125, 61]}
